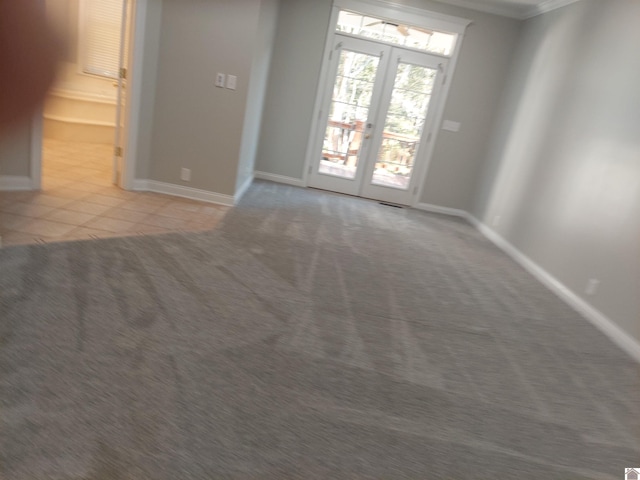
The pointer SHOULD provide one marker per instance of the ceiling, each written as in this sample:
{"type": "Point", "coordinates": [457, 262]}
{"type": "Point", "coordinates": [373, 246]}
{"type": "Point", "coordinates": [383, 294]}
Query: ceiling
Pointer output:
{"type": "Point", "coordinates": [511, 8]}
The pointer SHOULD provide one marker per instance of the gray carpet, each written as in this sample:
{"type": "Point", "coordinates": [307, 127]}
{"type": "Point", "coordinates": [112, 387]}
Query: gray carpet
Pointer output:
{"type": "Point", "coordinates": [311, 336]}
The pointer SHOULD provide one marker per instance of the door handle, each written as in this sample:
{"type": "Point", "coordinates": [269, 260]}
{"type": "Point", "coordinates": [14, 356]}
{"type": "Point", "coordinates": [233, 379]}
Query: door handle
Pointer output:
{"type": "Point", "coordinates": [369, 127]}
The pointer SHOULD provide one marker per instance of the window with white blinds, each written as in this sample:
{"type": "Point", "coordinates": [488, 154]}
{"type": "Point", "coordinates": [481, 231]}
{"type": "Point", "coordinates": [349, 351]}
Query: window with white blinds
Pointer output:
{"type": "Point", "coordinates": [100, 30]}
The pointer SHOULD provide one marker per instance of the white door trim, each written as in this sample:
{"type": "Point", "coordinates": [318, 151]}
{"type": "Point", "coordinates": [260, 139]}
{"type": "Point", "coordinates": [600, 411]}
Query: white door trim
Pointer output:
{"type": "Point", "coordinates": [392, 11]}
{"type": "Point", "coordinates": [125, 29]}
{"type": "Point", "coordinates": [132, 109]}
{"type": "Point", "coordinates": [133, 105]}
{"type": "Point", "coordinates": [312, 147]}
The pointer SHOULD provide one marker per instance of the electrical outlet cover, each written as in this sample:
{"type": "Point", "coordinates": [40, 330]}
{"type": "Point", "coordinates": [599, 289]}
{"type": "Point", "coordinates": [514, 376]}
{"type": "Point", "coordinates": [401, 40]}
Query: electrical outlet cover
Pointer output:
{"type": "Point", "coordinates": [232, 82]}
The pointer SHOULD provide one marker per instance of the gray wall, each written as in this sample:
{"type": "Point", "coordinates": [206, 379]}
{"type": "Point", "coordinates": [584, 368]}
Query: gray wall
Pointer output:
{"type": "Point", "coordinates": [15, 144]}
{"type": "Point", "coordinates": [149, 70]}
{"type": "Point", "coordinates": [297, 58]}
{"type": "Point", "coordinates": [15, 151]}
{"type": "Point", "coordinates": [257, 89]}
{"type": "Point", "coordinates": [563, 170]}
{"type": "Point", "coordinates": [473, 98]}
{"type": "Point", "coordinates": [195, 124]}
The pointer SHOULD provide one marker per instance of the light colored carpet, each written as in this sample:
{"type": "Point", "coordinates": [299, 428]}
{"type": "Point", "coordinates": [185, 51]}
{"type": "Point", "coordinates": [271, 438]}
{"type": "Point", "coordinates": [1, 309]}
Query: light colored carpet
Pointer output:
{"type": "Point", "coordinates": [311, 335]}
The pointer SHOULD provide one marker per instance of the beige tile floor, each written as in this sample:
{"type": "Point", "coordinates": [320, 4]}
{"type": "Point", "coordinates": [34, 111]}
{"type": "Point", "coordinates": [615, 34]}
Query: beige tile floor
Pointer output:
{"type": "Point", "coordinates": [78, 201]}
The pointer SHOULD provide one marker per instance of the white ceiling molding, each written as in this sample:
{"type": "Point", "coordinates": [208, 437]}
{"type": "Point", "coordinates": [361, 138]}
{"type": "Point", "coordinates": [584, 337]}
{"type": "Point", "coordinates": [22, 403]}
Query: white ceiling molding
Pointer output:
{"type": "Point", "coordinates": [547, 6]}
{"type": "Point", "coordinates": [503, 10]}
{"type": "Point", "coordinates": [398, 12]}
{"type": "Point", "coordinates": [510, 10]}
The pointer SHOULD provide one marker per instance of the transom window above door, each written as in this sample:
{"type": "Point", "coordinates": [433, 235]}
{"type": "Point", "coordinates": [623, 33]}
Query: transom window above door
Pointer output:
{"type": "Point", "coordinates": [396, 33]}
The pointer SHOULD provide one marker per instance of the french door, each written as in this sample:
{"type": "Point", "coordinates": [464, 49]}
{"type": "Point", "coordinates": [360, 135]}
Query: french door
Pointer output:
{"type": "Point", "coordinates": [378, 106]}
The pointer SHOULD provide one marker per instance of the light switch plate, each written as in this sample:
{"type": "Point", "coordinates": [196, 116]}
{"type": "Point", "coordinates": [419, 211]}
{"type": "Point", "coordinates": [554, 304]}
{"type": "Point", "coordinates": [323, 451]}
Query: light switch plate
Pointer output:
{"type": "Point", "coordinates": [220, 80]}
{"type": "Point", "coordinates": [232, 81]}
{"type": "Point", "coordinates": [451, 126]}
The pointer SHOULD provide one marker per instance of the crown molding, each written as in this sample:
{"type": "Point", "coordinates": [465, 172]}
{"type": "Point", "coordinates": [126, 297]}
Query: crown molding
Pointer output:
{"type": "Point", "coordinates": [503, 11]}
{"type": "Point", "coordinates": [546, 7]}
{"type": "Point", "coordinates": [519, 13]}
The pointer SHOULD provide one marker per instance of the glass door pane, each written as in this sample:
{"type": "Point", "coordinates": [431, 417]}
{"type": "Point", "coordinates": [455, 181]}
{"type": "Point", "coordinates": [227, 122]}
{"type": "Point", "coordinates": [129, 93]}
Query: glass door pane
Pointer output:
{"type": "Point", "coordinates": [403, 125]}
{"type": "Point", "coordinates": [348, 113]}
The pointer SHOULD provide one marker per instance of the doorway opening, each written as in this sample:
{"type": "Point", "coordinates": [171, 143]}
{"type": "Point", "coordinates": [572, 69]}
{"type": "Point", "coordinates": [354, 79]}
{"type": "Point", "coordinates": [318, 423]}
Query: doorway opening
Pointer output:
{"type": "Point", "coordinates": [380, 99]}
{"type": "Point", "coordinates": [83, 114]}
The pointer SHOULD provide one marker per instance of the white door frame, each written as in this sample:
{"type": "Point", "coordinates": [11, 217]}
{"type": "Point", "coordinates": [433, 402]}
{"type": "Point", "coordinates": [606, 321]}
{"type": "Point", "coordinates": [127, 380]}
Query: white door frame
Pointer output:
{"type": "Point", "coordinates": [403, 14]}
{"type": "Point", "coordinates": [132, 108]}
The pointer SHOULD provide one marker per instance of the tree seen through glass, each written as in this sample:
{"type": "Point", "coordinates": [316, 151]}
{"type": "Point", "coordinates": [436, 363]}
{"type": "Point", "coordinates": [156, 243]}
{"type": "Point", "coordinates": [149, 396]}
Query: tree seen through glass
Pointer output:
{"type": "Point", "coordinates": [403, 125]}
{"type": "Point", "coordinates": [351, 99]}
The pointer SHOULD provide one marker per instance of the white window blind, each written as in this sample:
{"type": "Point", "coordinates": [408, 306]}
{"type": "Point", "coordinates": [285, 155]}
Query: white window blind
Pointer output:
{"type": "Point", "coordinates": [100, 30]}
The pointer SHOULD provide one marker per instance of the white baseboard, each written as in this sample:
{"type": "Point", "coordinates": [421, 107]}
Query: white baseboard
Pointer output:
{"type": "Point", "coordinates": [15, 183]}
{"type": "Point", "coordinates": [428, 207]}
{"type": "Point", "coordinates": [139, 185]}
{"type": "Point", "coordinates": [243, 189]}
{"type": "Point", "coordinates": [618, 336]}
{"type": "Point", "coordinates": [296, 182]}
{"type": "Point", "coordinates": [182, 191]}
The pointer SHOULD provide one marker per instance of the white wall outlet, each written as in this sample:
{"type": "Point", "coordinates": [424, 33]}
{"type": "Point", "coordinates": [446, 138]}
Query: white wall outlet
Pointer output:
{"type": "Point", "coordinates": [185, 174]}
{"type": "Point", "coordinates": [232, 81]}
{"type": "Point", "coordinates": [592, 286]}
{"type": "Point", "coordinates": [220, 80]}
